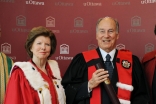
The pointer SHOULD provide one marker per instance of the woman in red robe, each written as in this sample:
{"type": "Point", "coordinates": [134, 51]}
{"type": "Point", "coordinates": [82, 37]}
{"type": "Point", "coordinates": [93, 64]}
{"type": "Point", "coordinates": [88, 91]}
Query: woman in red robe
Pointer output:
{"type": "Point", "coordinates": [37, 81]}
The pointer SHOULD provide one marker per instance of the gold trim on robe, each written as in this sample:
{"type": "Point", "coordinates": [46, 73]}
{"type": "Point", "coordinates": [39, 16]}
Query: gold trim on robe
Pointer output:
{"type": "Point", "coordinates": [5, 67]}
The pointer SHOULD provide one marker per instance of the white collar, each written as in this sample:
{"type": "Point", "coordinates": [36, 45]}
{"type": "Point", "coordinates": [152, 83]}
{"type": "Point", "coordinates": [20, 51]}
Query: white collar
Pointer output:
{"type": "Point", "coordinates": [104, 53]}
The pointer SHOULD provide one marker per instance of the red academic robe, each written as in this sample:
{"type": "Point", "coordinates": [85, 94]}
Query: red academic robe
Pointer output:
{"type": "Point", "coordinates": [19, 90]}
{"type": "Point", "coordinates": [149, 64]}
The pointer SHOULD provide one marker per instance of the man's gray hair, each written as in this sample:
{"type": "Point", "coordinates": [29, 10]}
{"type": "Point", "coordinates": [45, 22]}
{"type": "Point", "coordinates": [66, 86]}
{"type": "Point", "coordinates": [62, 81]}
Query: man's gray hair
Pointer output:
{"type": "Point", "coordinates": [116, 22]}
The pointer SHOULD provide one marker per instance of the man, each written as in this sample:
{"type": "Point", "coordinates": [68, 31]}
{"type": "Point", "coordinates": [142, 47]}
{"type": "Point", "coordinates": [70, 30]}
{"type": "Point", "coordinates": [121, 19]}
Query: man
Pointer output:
{"type": "Point", "coordinates": [5, 67]}
{"type": "Point", "coordinates": [149, 63]}
{"type": "Point", "coordinates": [84, 84]}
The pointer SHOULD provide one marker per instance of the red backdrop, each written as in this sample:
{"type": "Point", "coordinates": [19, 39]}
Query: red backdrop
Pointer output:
{"type": "Point", "coordinates": [73, 23]}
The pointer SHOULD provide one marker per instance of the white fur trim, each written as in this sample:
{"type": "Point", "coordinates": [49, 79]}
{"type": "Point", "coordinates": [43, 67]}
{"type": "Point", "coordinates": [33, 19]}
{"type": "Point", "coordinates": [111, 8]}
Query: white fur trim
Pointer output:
{"type": "Point", "coordinates": [44, 96]}
{"type": "Point", "coordinates": [124, 86]}
{"type": "Point", "coordinates": [57, 82]}
{"type": "Point", "coordinates": [122, 101]}
{"type": "Point", "coordinates": [36, 81]}
{"type": "Point", "coordinates": [55, 68]}
{"type": "Point", "coordinates": [60, 91]}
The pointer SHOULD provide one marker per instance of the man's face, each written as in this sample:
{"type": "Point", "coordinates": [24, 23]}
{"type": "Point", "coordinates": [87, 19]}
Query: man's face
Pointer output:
{"type": "Point", "coordinates": [106, 34]}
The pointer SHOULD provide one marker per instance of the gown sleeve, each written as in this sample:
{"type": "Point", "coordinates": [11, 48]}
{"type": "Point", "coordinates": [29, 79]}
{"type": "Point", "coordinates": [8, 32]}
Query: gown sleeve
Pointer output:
{"type": "Point", "coordinates": [140, 94]}
{"type": "Point", "coordinates": [19, 91]}
{"type": "Point", "coordinates": [75, 80]}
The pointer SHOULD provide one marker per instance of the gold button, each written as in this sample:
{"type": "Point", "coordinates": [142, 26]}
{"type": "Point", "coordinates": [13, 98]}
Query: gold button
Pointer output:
{"type": "Point", "coordinates": [46, 86]}
{"type": "Point", "coordinates": [55, 82]}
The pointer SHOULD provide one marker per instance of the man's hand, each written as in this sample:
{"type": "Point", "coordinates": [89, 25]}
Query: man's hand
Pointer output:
{"type": "Point", "coordinates": [98, 76]}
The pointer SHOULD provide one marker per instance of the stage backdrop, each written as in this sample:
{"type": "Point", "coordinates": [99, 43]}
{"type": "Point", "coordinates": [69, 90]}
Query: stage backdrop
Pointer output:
{"type": "Point", "coordinates": [73, 22]}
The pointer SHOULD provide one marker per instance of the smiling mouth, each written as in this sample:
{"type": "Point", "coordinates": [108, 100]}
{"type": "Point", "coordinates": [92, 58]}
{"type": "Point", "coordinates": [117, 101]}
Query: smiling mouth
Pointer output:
{"type": "Point", "coordinates": [106, 40]}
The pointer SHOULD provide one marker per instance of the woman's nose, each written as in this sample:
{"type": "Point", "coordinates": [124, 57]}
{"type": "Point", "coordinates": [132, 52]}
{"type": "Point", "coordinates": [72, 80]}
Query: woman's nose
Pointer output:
{"type": "Point", "coordinates": [43, 47]}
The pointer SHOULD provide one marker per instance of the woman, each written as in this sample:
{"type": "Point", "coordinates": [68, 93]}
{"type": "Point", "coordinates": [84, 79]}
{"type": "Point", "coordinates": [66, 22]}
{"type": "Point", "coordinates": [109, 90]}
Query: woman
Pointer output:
{"type": "Point", "coordinates": [38, 80]}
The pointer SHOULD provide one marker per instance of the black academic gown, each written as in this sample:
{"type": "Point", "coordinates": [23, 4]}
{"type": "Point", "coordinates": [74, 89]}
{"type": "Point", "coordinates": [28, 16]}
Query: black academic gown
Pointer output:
{"type": "Point", "coordinates": [75, 81]}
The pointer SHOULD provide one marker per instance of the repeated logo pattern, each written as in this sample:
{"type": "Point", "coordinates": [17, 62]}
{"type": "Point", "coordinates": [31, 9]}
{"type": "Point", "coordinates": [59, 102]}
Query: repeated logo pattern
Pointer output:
{"type": "Point", "coordinates": [32, 2]}
{"type": "Point", "coordinates": [74, 24]}
{"type": "Point", "coordinates": [6, 48]}
{"type": "Point", "coordinates": [78, 22]}
{"type": "Point", "coordinates": [50, 22]}
{"type": "Point", "coordinates": [120, 46]}
{"type": "Point", "coordinates": [149, 47]}
{"type": "Point", "coordinates": [21, 20]}
{"type": "Point", "coordinates": [64, 49]}
{"type": "Point", "coordinates": [148, 1]}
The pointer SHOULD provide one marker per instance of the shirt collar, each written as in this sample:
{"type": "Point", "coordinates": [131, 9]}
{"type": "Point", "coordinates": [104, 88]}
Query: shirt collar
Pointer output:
{"type": "Point", "coordinates": [104, 53]}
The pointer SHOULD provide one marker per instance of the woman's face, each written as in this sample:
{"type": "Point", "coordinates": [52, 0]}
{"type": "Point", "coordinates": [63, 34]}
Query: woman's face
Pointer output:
{"type": "Point", "coordinates": [41, 47]}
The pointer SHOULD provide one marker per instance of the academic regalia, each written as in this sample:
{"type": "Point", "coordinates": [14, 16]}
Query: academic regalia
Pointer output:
{"type": "Point", "coordinates": [149, 64]}
{"type": "Point", "coordinates": [5, 67]}
{"type": "Point", "coordinates": [75, 81]}
{"type": "Point", "coordinates": [29, 85]}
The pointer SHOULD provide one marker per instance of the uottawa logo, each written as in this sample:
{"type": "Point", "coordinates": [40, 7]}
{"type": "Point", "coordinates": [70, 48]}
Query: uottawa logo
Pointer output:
{"type": "Point", "coordinates": [149, 47]}
{"type": "Point", "coordinates": [94, 4]}
{"type": "Point", "coordinates": [148, 1]}
{"type": "Point", "coordinates": [6, 48]}
{"type": "Point", "coordinates": [31, 2]}
{"type": "Point", "coordinates": [120, 46]}
{"type": "Point", "coordinates": [50, 22]}
{"type": "Point", "coordinates": [21, 20]}
{"type": "Point", "coordinates": [7, 1]}
{"type": "Point", "coordinates": [78, 26]}
{"type": "Point", "coordinates": [64, 49]}
{"type": "Point", "coordinates": [78, 22]}
{"type": "Point", "coordinates": [92, 46]}
{"type": "Point", "coordinates": [135, 23]}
